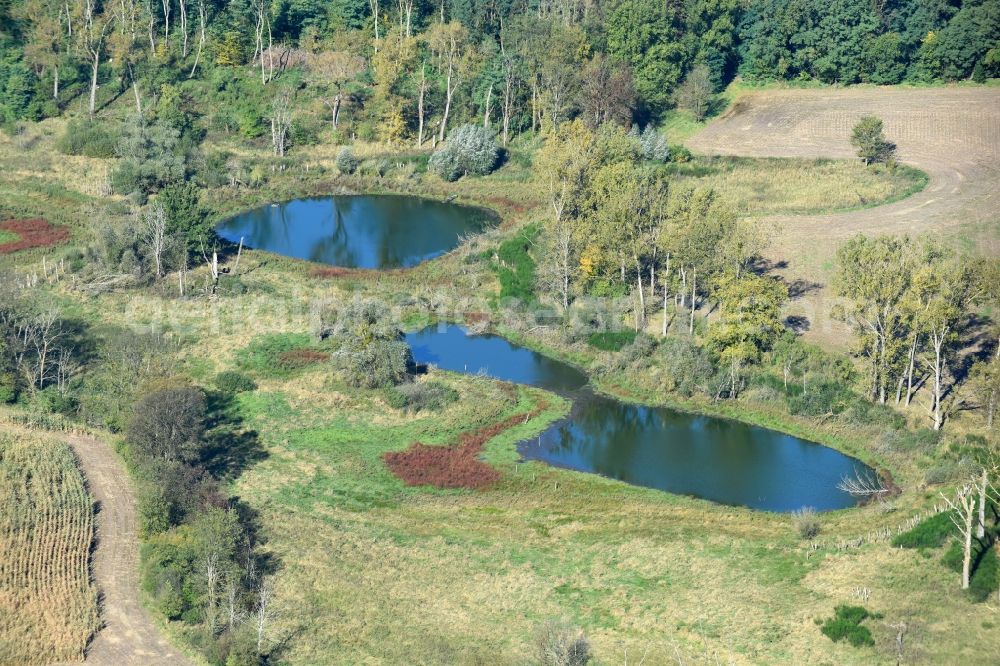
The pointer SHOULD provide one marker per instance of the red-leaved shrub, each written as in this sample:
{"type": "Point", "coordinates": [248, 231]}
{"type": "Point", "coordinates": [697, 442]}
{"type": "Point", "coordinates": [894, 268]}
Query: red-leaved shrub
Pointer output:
{"type": "Point", "coordinates": [454, 466]}
{"type": "Point", "coordinates": [34, 232]}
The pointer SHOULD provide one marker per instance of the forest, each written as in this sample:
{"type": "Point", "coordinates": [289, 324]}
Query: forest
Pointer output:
{"type": "Point", "coordinates": [410, 71]}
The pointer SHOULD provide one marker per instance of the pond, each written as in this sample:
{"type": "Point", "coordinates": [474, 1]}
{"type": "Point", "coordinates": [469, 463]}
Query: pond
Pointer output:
{"type": "Point", "coordinates": [713, 458]}
{"type": "Point", "coordinates": [358, 231]}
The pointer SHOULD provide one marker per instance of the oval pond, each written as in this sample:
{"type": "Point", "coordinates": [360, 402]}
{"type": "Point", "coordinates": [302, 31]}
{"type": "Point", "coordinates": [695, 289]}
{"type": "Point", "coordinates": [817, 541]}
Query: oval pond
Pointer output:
{"type": "Point", "coordinates": [357, 231]}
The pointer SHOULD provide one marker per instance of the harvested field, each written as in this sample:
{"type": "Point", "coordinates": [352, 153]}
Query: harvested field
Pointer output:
{"type": "Point", "coordinates": [48, 604]}
{"type": "Point", "coordinates": [31, 233]}
{"type": "Point", "coordinates": [953, 134]}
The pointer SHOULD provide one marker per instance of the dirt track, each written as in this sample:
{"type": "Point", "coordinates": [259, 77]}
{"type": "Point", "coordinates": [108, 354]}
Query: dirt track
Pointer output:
{"type": "Point", "coordinates": [128, 635]}
{"type": "Point", "coordinates": [953, 134]}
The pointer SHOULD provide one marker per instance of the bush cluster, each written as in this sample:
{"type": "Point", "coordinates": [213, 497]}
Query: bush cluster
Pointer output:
{"type": "Point", "coordinates": [611, 340]}
{"type": "Point", "coordinates": [928, 533]}
{"type": "Point", "coordinates": [806, 523]}
{"type": "Point", "coordinates": [470, 149]}
{"type": "Point", "coordinates": [652, 144]}
{"type": "Point", "coordinates": [233, 382]}
{"type": "Point", "coordinates": [846, 625]}
{"type": "Point", "coordinates": [88, 138]}
{"type": "Point", "coordinates": [515, 268]}
{"type": "Point", "coordinates": [420, 396]}
{"type": "Point", "coordinates": [347, 163]}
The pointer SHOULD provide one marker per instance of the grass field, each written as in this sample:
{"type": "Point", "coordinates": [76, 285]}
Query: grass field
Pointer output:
{"type": "Point", "coordinates": [377, 572]}
{"type": "Point", "coordinates": [48, 605]}
{"type": "Point", "coordinates": [762, 186]}
{"type": "Point", "coordinates": [374, 571]}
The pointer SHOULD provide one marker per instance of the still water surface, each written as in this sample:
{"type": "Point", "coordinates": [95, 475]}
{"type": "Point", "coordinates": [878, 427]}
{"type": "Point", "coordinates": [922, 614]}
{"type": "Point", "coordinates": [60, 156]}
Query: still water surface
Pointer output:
{"type": "Point", "coordinates": [716, 459]}
{"type": "Point", "coordinates": [357, 231]}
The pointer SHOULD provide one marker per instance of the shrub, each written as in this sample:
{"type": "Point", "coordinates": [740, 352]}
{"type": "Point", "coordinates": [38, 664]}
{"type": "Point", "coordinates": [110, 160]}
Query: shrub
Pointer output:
{"type": "Point", "coordinates": [372, 350]}
{"type": "Point", "coordinates": [168, 424]}
{"type": "Point", "coordinates": [949, 471]}
{"type": "Point", "coordinates": [470, 149]}
{"type": "Point", "coordinates": [864, 412]}
{"type": "Point", "coordinates": [420, 396]}
{"type": "Point", "coordinates": [611, 340]}
{"type": "Point", "coordinates": [985, 580]}
{"type": "Point", "coordinates": [687, 367]}
{"type": "Point", "coordinates": [928, 533]}
{"type": "Point", "coordinates": [234, 382]}
{"type": "Point", "coordinates": [820, 399]}
{"type": "Point", "coordinates": [151, 157]}
{"type": "Point", "coordinates": [653, 145]}
{"type": "Point", "coordinates": [846, 624]}
{"type": "Point", "coordinates": [347, 163]}
{"type": "Point", "coordinates": [806, 523]}
{"type": "Point", "coordinates": [559, 644]}
{"type": "Point", "coordinates": [515, 268]}
{"type": "Point", "coordinates": [8, 386]}
{"type": "Point", "coordinates": [680, 154]}
{"type": "Point", "coordinates": [88, 138]}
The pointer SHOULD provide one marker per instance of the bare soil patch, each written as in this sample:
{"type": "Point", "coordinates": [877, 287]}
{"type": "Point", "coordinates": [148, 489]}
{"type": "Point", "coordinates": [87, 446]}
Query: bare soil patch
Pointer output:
{"type": "Point", "coordinates": [953, 134]}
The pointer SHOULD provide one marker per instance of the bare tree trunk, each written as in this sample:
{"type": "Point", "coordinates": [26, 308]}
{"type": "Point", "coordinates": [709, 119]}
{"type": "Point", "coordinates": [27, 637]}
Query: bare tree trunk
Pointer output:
{"type": "Point", "coordinates": [449, 91]}
{"type": "Point", "coordinates": [938, 341]}
{"type": "Point", "coordinates": [694, 294]}
{"type": "Point", "coordinates": [155, 220]}
{"type": "Point", "coordinates": [909, 369]}
{"type": "Point", "coordinates": [963, 508]}
{"type": "Point", "coordinates": [984, 484]}
{"type": "Point", "coordinates": [201, 38]}
{"type": "Point", "coordinates": [135, 90]}
{"type": "Point", "coordinates": [374, 6]}
{"type": "Point", "coordinates": [640, 317]}
{"type": "Point", "coordinates": [184, 30]}
{"type": "Point", "coordinates": [55, 83]}
{"type": "Point", "coordinates": [508, 98]}
{"type": "Point", "coordinates": [96, 55]}
{"type": "Point", "coordinates": [166, 21]}
{"type": "Point", "coordinates": [420, 105]}
{"type": "Point", "coordinates": [263, 613]}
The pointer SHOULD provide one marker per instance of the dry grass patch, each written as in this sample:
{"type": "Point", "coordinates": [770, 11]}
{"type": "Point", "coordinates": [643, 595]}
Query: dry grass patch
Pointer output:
{"type": "Point", "coordinates": [796, 186]}
{"type": "Point", "coordinates": [48, 604]}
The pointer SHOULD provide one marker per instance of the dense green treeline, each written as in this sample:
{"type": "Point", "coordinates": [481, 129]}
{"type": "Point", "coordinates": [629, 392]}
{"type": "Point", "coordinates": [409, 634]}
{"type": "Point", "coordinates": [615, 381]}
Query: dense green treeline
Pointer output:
{"type": "Point", "coordinates": [412, 70]}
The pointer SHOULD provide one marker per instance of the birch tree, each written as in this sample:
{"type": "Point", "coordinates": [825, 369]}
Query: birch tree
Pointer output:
{"type": "Point", "coordinates": [447, 42]}
{"type": "Point", "coordinates": [564, 161]}
{"type": "Point", "coordinates": [943, 286]}
{"type": "Point", "coordinates": [264, 611]}
{"type": "Point", "coordinates": [874, 276]}
{"type": "Point", "coordinates": [281, 122]}
{"type": "Point", "coordinates": [154, 222]}
{"type": "Point", "coordinates": [963, 510]}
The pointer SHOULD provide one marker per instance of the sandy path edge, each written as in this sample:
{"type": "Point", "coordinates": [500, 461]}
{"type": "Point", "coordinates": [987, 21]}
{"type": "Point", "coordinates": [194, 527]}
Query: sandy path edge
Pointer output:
{"type": "Point", "coordinates": [128, 635]}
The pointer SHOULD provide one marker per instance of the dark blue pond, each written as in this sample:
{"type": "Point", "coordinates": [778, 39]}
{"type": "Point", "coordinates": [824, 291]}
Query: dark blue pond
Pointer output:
{"type": "Point", "coordinates": [362, 231]}
{"type": "Point", "coordinates": [716, 459]}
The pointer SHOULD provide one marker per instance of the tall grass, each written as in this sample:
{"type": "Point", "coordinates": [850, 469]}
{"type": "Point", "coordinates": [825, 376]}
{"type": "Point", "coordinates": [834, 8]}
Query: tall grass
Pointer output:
{"type": "Point", "coordinates": [48, 604]}
{"type": "Point", "coordinates": [798, 186]}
